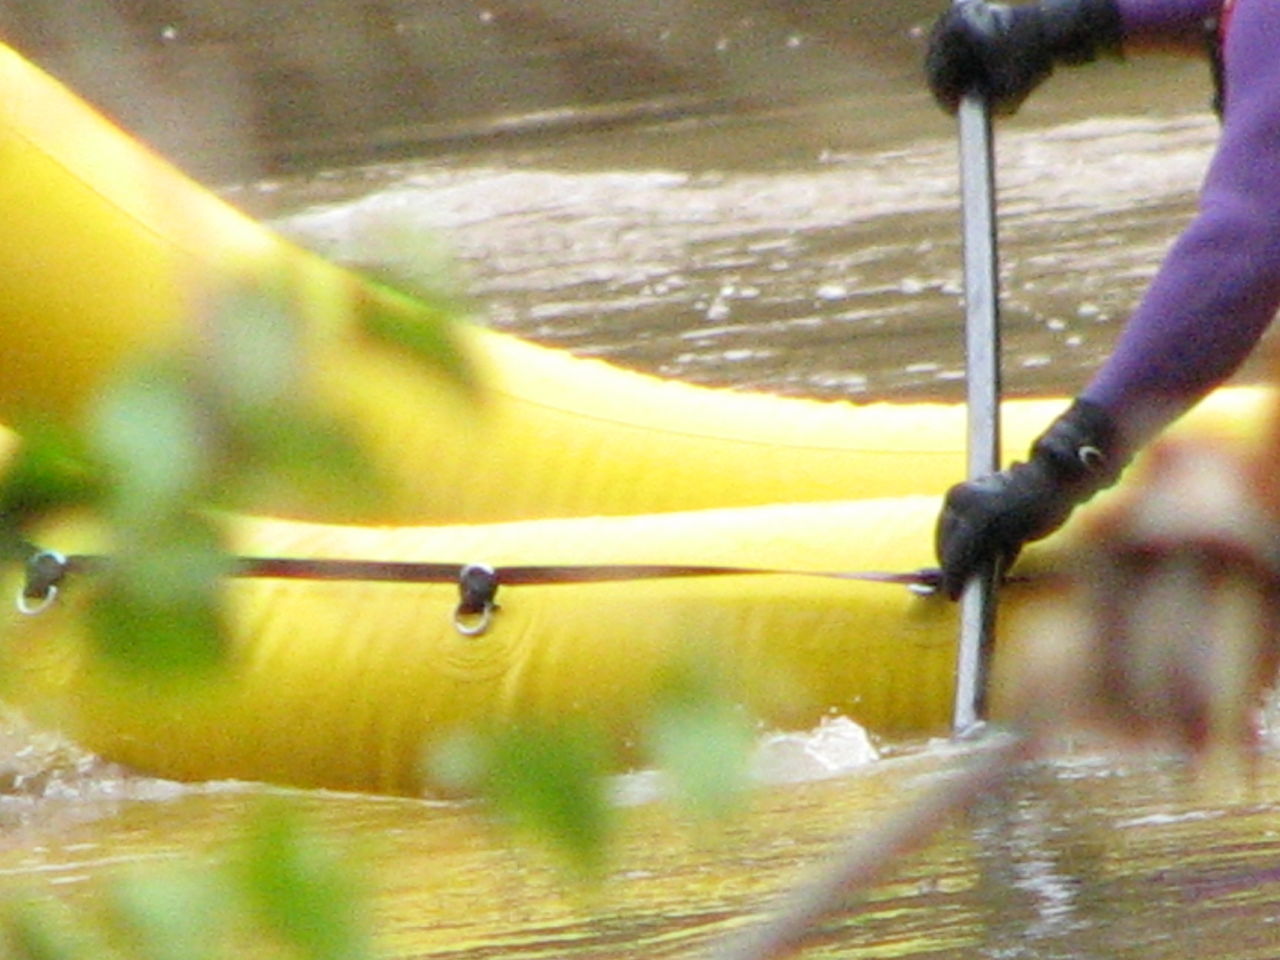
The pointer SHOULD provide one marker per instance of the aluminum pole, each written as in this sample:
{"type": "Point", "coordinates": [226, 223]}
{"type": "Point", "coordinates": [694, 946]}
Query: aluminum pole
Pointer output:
{"type": "Point", "coordinates": [982, 369]}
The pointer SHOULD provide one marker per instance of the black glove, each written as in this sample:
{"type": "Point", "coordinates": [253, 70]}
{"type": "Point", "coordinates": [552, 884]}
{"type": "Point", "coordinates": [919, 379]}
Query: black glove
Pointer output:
{"type": "Point", "coordinates": [1003, 52]}
{"type": "Point", "coordinates": [988, 520]}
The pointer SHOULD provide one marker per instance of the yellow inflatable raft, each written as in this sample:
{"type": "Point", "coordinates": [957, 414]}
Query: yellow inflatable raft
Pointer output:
{"type": "Point", "coordinates": [349, 683]}
{"type": "Point", "coordinates": [110, 253]}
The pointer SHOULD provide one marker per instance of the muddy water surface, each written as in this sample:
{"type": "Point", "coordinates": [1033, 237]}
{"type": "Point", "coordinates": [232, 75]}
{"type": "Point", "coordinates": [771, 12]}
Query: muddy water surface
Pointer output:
{"type": "Point", "coordinates": [799, 251]}
{"type": "Point", "coordinates": [1088, 856]}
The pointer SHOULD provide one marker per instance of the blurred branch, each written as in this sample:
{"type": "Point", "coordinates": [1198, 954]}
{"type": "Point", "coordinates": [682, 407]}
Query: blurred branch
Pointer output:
{"type": "Point", "coordinates": [869, 854]}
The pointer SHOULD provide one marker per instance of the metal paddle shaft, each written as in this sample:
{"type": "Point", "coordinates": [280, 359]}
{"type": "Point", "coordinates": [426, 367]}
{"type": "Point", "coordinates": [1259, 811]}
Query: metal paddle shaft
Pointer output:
{"type": "Point", "coordinates": [982, 364]}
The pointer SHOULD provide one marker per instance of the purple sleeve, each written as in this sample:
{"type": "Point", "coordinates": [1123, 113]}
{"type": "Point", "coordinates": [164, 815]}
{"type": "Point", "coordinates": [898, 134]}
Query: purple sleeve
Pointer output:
{"type": "Point", "coordinates": [1219, 287]}
{"type": "Point", "coordinates": [1167, 18]}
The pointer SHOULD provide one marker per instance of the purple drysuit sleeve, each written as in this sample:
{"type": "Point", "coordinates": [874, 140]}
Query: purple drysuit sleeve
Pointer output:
{"type": "Point", "coordinates": [1167, 19]}
{"type": "Point", "coordinates": [1219, 286]}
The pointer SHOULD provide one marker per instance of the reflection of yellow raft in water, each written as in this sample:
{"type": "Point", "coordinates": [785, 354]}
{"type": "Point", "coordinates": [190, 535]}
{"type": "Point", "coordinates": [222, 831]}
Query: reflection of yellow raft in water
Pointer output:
{"type": "Point", "coordinates": [109, 251]}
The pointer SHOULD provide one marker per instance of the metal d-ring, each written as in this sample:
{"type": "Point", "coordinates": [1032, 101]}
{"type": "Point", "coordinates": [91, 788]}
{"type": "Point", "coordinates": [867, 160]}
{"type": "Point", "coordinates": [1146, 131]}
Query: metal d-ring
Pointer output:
{"type": "Point", "coordinates": [30, 606]}
{"type": "Point", "coordinates": [45, 571]}
{"type": "Point", "coordinates": [478, 588]}
{"type": "Point", "coordinates": [473, 624]}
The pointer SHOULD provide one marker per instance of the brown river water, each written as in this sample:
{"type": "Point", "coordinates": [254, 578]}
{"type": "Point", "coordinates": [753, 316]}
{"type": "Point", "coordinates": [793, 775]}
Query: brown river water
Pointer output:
{"type": "Point", "coordinates": [794, 252]}
{"type": "Point", "coordinates": [807, 247]}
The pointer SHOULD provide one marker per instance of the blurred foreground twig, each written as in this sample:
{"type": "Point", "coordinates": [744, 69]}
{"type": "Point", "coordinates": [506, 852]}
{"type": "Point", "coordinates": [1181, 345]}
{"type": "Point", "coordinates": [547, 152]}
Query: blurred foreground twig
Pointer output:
{"type": "Point", "coordinates": [869, 854]}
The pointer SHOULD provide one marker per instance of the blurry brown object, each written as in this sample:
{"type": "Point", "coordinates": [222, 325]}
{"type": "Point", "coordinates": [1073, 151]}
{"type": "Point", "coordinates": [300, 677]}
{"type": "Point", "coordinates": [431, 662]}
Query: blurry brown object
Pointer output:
{"type": "Point", "coordinates": [1170, 635]}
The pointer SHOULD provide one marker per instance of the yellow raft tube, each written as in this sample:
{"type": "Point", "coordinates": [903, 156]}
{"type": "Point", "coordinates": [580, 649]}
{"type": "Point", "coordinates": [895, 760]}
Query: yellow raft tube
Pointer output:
{"type": "Point", "coordinates": [110, 253]}
{"type": "Point", "coordinates": [349, 685]}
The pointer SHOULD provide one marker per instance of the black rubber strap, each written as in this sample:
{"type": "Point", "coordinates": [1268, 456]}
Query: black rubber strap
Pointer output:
{"type": "Point", "coordinates": [46, 569]}
{"type": "Point", "coordinates": [396, 571]}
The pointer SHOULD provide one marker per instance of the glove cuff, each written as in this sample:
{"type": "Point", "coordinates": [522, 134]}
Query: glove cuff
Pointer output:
{"type": "Point", "coordinates": [1083, 448]}
{"type": "Point", "coordinates": [1079, 31]}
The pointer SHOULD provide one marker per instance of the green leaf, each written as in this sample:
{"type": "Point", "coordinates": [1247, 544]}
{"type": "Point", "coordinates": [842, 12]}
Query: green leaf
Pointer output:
{"type": "Point", "coordinates": [40, 930]}
{"type": "Point", "coordinates": [51, 471]}
{"type": "Point", "coordinates": [301, 890]}
{"type": "Point", "coordinates": [400, 255]}
{"type": "Point", "coordinates": [254, 357]}
{"type": "Point", "coordinates": [158, 610]}
{"type": "Point", "coordinates": [549, 780]}
{"type": "Point", "coordinates": [295, 457]}
{"type": "Point", "coordinates": [155, 440]}
{"type": "Point", "coordinates": [701, 737]}
{"type": "Point", "coordinates": [424, 331]}
{"type": "Point", "coordinates": [272, 445]}
{"type": "Point", "coordinates": [171, 913]}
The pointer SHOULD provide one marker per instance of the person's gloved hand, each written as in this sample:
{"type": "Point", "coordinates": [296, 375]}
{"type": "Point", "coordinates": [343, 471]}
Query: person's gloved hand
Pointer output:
{"type": "Point", "coordinates": [988, 520]}
{"type": "Point", "coordinates": [1003, 52]}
